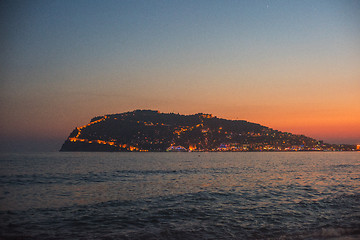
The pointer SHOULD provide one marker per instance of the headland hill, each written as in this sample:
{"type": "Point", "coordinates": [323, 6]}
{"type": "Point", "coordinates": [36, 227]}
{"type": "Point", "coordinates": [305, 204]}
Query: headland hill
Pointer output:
{"type": "Point", "coordinates": [152, 131]}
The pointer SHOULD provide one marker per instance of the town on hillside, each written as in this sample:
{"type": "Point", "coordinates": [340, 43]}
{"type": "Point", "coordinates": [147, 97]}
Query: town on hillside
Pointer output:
{"type": "Point", "coordinates": [152, 131]}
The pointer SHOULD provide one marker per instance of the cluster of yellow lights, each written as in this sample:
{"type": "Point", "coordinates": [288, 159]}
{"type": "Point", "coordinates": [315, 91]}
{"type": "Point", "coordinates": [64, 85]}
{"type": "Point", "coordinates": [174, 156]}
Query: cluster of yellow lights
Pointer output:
{"type": "Point", "coordinates": [204, 115]}
{"type": "Point", "coordinates": [110, 143]}
{"type": "Point", "coordinates": [92, 123]}
{"type": "Point", "coordinates": [151, 124]}
{"type": "Point", "coordinates": [184, 129]}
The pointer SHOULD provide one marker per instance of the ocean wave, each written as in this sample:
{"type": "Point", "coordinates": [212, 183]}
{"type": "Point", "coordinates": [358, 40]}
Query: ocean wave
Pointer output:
{"type": "Point", "coordinates": [201, 215]}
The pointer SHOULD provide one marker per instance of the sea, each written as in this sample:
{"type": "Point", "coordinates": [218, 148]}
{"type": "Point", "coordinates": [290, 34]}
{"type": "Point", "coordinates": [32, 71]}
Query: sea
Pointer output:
{"type": "Point", "coordinates": [188, 195]}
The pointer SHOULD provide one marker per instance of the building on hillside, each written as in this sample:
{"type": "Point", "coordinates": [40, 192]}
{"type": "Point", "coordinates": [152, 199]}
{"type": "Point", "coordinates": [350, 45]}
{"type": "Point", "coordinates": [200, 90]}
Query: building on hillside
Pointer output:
{"type": "Point", "coordinates": [176, 149]}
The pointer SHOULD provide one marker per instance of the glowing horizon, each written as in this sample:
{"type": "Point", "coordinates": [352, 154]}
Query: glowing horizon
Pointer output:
{"type": "Point", "coordinates": [291, 66]}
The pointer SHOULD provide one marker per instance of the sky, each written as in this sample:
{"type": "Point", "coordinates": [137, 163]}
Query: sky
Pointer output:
{"type": "Point", "coordinates": [290, 65]}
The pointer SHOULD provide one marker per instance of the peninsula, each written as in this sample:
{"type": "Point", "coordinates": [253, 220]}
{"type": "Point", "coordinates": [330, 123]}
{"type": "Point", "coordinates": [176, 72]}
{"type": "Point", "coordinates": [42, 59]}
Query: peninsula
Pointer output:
{"type": "Point", "coordinates": [152, 131]}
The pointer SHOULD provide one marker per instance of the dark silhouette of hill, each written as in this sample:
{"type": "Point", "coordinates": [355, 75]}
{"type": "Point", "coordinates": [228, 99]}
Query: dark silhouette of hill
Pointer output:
{"type": "Point", "coordinates": [147, 130]}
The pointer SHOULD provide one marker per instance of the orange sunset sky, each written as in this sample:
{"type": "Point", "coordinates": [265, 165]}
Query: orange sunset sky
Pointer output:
{"type": "Point", "coordinates": [289, 65]}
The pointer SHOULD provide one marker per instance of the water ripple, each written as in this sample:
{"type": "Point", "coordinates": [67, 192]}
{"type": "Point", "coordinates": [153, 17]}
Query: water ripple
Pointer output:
{"type": "Point", "coordinates": [182, 196]}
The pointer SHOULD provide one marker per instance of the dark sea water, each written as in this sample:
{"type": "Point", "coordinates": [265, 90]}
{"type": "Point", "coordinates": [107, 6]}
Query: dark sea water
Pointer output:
{"type": "Point", "coordinates": [306, 195]}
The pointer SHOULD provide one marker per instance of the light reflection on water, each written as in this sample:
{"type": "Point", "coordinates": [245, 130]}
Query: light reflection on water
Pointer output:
{"type": "Point", "coordinates": [251, 190]}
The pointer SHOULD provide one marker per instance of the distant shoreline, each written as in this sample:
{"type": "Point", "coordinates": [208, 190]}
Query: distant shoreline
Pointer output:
{"type": "Point", "coordinates": [152, 131]}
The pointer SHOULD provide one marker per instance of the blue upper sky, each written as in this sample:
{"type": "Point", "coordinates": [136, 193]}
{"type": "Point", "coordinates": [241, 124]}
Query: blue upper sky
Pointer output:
{"type": "Point", "coordinates": [290, 65]}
